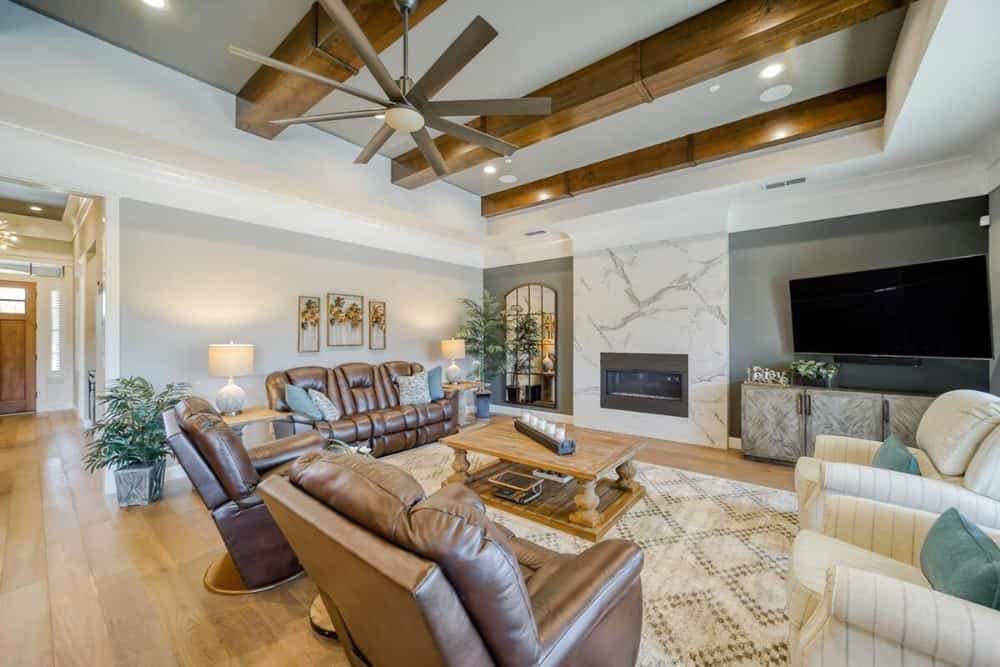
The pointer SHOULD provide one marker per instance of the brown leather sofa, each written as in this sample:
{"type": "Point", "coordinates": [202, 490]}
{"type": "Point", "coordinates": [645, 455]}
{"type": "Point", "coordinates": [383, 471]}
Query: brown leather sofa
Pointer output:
{"type": "Point", "coordinates": [415, 580]}
{"type": "Point", "coordinates": [226, 475]}
{"type": "Point", "coordinates": [368, 399]}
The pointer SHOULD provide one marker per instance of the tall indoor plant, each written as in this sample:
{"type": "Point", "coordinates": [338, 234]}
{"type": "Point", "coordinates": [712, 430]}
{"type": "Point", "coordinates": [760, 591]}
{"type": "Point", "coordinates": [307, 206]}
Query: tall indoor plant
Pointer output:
{"type": "Point", "coordinates": [485, 337]}
{"type": "Point", "coordinates": [130, 438]}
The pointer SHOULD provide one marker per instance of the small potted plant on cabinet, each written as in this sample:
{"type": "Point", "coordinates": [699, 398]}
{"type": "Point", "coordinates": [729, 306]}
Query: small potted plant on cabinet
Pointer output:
{"type": "Point", "coordinates": [814, 373]}
{"type": "Point", "coordinates": [130, 439]}
{"type": "Point", "coordinates": [485, 337]}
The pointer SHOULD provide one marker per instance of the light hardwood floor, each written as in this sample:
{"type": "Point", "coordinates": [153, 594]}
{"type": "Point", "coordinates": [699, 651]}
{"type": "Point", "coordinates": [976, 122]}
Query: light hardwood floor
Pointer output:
{"type": "Point", "coordinates": [83, 582]}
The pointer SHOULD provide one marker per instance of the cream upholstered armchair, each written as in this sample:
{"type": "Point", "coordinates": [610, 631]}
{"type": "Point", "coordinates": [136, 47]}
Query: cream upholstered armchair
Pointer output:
{"type": "Point", "coordinates": [958, 444]}
{"type": "Point", "coordinates": [857, 595]}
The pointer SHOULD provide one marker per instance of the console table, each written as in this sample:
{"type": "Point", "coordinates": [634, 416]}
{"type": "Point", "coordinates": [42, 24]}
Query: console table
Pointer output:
{"type": "Point", "coordinates": [780, 423]}
{"type": "Point", "coordinates": [466, 401]}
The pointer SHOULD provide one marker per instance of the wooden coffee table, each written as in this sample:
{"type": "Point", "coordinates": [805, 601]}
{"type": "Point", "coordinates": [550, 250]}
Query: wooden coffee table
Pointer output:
{"type": "Point", "coordinates": [586, 506]}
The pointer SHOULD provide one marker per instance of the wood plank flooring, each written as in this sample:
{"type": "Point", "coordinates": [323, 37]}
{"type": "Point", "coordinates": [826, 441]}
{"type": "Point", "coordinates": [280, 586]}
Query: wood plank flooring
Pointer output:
{"type": "Point", "coordinates": [83, 582]}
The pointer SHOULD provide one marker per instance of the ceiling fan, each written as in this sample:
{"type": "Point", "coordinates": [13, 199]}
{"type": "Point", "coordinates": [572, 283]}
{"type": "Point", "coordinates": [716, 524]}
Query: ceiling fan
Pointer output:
{"type": "Point", "coordinates": [408, 106]}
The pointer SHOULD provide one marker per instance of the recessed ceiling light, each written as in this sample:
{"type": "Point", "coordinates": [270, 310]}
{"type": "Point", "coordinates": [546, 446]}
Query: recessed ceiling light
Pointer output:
{"type": "Point", "coordinates": [489, 169]}
{"type": "Point", "coordinates": [543, 196]}
{"type": "Point", "coordinates": [714, 88]}
{"type": "Point", "coordinates": [772, 70]}
{"type": "Point", "coordinates": [775, 93]}
{"type": "Point", "coordinates": [380, 116]}
{"type": "Point", "coordinates": [155, 4]}
{"type": "Point", "coordinates": [508, 178]}
{"type": "Point", "coordinates": [508, 160]}
{"type": "Point", "coordinates": [36, 209]}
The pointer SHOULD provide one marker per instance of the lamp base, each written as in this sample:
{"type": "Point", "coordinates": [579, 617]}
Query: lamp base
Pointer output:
{"type": "Point", "coordinates": [453, 372]}
{"type": "Point", "coordinates": [230, 399]}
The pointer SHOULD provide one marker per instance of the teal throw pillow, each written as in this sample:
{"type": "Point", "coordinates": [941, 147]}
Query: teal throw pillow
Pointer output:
{"type": "Point", "coordinates": [434, 383]}
{"type": "Point", "coordinates": [959, 559]}
{"type": "Point", "coordinates": [893, 455]}
{"type": "Point", "coordinates": [298, 400]}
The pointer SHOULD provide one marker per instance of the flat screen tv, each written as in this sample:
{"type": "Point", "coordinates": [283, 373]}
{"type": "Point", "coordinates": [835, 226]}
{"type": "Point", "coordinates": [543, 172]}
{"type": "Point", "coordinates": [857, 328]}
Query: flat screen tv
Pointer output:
{"type": "Point", "coordinates": [936, 309]}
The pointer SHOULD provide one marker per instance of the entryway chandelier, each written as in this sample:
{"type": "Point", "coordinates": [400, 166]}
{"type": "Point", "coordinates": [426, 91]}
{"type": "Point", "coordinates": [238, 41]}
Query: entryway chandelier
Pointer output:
{"type": "Point", "coordinates": [8, 239]}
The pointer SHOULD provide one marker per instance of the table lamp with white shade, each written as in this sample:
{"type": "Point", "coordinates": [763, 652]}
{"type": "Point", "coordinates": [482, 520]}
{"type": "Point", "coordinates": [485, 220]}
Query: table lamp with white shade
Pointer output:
{"type": "Point", "coordinates": [453, 348]}
{"type": "Point", "coordinates": [230, 360]}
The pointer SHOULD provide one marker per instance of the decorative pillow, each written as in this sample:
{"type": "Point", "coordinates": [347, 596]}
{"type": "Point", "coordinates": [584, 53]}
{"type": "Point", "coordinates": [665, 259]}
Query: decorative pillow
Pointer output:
{"type": "Point", "coordinates": [893, 455]}
{"type": "Point", "coordinates": [413, 389]}
{"type": "Point", "coordinates": [983, 473]}
{"type": "Point", "coordinates": [330, 412]}
{"type": "Point", "coordinates": [434, 383]}
{"type": "Point", "coordinates": [953, 427]}
{"type": "Point", "coordinates": [298, 400]}
{"type": "Point", "coordinates": [959, 559]}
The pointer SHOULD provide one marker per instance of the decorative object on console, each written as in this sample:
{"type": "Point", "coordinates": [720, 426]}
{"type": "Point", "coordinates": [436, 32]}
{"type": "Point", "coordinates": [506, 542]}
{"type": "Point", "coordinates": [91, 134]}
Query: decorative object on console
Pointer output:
{"type": "Point", "coordinates": [328, 410]}
{"type": "Point", "coordinates": [758, 375]}
{"type": "Point", "coordinates": [309, 318]}
{"type": "Point", "coordinates": [230, 360]}
{"type": "Point", "coordinates": [453, 348]}
{"type": "Point", "coordinates": [376, 325]}
{"type": "Point", "coordinates": [546, 433]}
{"type": "Point", "coordinates": [130, 438]}
{"type": "Point", "coordinates": [345, 315]}
{"type": "Point", "coordinates": [485, 335]}
{"type": "Point", "coordinates": [413, 389]}
{"type": "Point", "coordinates": [814, 373]}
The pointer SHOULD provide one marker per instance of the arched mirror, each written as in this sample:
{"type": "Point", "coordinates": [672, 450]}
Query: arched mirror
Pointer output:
{"type": "Point", "coordinates": [532, 368]}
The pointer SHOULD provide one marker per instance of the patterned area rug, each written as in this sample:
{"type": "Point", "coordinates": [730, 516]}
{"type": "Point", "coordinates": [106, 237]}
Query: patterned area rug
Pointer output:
{"type": "Point", "coordinates": [716, 553]}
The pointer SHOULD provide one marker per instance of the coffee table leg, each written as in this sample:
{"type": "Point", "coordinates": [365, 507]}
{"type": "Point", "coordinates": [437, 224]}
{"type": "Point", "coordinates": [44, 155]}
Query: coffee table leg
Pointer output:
{"type": "Point", "coordinates": [626, 477]}
{"type": "Point", "coordinates": [586, 500]}
{"type": "Point", "coordinates": [461, 467]}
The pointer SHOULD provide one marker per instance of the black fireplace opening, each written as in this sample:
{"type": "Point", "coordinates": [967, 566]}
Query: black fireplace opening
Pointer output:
{"type": "Point", "coordinates": [649, 383]}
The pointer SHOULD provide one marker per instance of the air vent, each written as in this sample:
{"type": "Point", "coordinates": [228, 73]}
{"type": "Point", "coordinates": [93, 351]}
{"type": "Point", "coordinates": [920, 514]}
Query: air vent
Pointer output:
{"type": "Point", "coordinates": [537, 232]}
{"type": "Point", "coordinates": [782, 184]}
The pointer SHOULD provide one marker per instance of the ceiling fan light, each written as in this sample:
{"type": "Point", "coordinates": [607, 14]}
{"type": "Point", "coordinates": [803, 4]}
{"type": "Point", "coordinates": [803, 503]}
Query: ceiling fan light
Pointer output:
{"type": "Point", "coordinates": [403, 119]}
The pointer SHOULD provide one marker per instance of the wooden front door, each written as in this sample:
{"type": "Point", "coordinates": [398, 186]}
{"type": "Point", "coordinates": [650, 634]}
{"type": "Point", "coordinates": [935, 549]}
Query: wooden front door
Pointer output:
{"type": "Point", "coordinates": [17, 347]}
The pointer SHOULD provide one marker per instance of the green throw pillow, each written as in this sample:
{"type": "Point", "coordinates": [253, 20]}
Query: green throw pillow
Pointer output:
{"type": "Point", "coordinates": [434, 383]}
{"type": "Point", "coordinates": [298, 400]}
{"type": "Point", "coordinates": [893, 455]}
{"type": "Point", "coordinates": [959, 559]}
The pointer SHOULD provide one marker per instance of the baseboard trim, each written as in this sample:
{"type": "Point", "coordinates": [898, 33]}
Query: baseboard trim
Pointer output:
{"type": "Point", "coordinates": [514, 411]}
{"type": "Point", "coordinates": [735, 443]}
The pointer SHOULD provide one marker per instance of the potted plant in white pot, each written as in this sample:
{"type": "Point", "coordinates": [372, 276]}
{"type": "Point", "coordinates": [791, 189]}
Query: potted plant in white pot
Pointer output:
{"type": "Point", "coordinates": [485, 335]}
{"type": "Point", "coordinates": [130, 438]}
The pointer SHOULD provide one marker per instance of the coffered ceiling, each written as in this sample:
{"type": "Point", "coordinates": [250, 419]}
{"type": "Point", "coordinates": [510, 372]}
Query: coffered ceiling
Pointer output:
{"type": "Point", "coordinates": [538, 43]}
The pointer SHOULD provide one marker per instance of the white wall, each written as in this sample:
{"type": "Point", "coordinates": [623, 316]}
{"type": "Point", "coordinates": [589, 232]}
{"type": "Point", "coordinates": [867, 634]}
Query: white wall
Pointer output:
{"type": "Point", "coordinates": [188, 280]}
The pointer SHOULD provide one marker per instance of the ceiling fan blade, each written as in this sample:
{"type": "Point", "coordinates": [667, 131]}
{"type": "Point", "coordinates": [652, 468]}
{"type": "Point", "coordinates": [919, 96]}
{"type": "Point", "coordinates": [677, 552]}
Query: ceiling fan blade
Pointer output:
{"type": "Point", "coordinates": [356, 36]}
{"type": "Point", "coordinates": [292, 69]}
{"type": "Point", "coordinates": [325, 117]}
{"type": "Point", "coordinates": [374, 144]}
{"type": "Point", "coordinates": [524, 106]}
{"type": "Point", "coordinates": [466, 133]}
{"type": "Point", "coordinates": [430, 151]}
{"type": "Point", "coordinates": [467, 46]}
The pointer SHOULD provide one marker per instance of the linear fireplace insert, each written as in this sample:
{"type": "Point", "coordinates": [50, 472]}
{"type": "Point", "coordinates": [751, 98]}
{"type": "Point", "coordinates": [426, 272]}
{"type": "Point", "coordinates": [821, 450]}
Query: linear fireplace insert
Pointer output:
{"type": "Point", "coordinates": [651, 383]}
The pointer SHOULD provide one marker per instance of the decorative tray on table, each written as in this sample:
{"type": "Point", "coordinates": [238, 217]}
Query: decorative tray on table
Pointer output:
{"type": "Point", "coordinates": [560, 447]}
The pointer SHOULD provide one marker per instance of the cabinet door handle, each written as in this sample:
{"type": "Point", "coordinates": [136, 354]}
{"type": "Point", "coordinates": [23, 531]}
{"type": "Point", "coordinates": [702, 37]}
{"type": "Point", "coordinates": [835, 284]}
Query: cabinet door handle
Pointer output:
{"type": "Point", "coordinates": [798, 404]}
{"type": "Point", "coordinates": [809, 404]}
{"type": "Point", "coordinates": [885, 410]}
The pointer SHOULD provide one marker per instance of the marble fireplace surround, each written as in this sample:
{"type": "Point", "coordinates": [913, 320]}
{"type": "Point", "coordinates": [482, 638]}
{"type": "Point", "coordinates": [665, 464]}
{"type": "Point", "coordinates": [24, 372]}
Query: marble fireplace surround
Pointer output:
{"type": "Point", "coordinates": [666, 297]}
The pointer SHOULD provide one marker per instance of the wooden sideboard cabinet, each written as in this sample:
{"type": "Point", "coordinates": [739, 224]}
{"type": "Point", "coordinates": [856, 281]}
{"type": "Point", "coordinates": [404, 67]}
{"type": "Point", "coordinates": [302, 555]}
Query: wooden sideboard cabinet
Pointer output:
{"type": "Point", "coordinates": [781, 423]}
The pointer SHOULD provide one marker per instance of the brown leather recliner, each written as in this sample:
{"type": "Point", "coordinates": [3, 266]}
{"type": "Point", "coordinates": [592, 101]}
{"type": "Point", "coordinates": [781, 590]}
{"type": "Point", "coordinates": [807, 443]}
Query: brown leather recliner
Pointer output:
{"type": "Point", "coordinates": [414, 580]}
{"type": "Point", "coordinates": [226, 475]}
{"type": "Point", "coordinates": [368, 399]}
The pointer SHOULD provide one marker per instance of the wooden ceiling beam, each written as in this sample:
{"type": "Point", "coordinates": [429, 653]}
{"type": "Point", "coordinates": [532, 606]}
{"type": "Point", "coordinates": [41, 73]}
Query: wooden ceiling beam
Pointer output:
{"type": "Point", "coordinates": [852, 106]}
{"type": "Point", "coordinates": [315, 44]}
{"type": "Point", "coordinates": [719, 40]}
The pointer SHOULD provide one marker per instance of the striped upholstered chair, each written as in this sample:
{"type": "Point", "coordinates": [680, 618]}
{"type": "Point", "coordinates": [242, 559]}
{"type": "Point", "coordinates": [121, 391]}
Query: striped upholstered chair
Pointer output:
{"type": "Point", "coordinates": [857, 596]}
{"type": "Point", "coordinates": [958, 446]}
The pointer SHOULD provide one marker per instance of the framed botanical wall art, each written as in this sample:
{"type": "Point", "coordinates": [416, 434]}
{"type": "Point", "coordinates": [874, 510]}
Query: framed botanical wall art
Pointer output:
{"type": "Point", "coordinates": [309, 319]}
{"type": "Point", "coordinates": [345, 318]}
{"type": "Point", "coordinates": [376, 325]}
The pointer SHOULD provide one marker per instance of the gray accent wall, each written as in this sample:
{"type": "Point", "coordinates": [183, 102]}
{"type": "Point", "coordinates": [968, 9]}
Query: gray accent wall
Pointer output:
{"type": "Point", "coordinates": [761, 262]}
{"type": "Point", "coordinates": [188, 280]}
{"type": "Point", "coordinates": [557, 274]}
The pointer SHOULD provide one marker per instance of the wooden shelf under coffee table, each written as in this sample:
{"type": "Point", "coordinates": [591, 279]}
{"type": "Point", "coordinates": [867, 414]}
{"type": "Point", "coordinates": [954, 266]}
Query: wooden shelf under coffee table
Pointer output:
{"type": "Point", "coordinates": [586, 506]}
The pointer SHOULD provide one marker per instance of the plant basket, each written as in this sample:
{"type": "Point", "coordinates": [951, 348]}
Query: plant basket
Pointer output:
{"type": "Point", "coordinates": [140, 485]}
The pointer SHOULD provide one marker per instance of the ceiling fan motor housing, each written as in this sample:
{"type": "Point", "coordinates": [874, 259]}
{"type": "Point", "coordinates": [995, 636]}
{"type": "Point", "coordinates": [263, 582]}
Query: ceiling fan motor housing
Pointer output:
{"type": "Point", "coordinates": [406, 5]}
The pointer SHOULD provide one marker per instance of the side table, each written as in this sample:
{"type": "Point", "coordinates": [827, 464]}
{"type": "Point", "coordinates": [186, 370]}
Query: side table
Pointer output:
{"type": "Point", "coordinates": [257, 414]}
{"type": "Point", "coordinates": [466, 401]}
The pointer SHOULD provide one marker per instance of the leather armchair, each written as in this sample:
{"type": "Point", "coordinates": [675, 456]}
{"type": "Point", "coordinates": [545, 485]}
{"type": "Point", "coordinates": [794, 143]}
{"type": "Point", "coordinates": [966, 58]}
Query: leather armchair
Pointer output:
{"type": "Point", "coordinates": [958, 446]}
{"type": "Point", "coordinates": [857, 595]}
{"type": "Point", "coordinates": [418, 580]}
{"type": "Point", "coordinates": [226, 475]}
